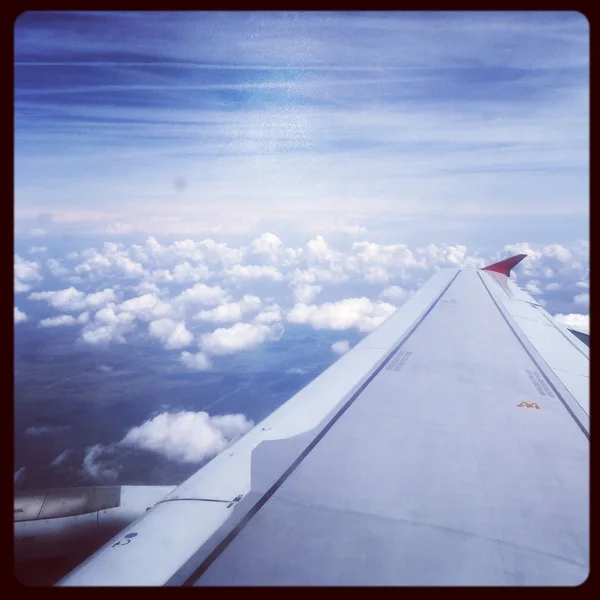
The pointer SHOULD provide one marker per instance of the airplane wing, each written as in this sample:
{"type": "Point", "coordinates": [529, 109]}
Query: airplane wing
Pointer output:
{"type": "Point", "coordinates": [449, 447]}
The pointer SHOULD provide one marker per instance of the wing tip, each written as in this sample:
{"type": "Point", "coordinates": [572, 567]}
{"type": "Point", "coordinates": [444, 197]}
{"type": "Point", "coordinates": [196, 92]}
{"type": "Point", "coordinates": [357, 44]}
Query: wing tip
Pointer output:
{"type": "Point", "coordinates": [504, 266]}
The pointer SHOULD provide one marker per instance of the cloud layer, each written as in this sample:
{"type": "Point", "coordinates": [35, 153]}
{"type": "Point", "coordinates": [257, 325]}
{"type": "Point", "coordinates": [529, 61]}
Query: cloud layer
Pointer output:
{"type": "Point", "coordinates": [116, 292]}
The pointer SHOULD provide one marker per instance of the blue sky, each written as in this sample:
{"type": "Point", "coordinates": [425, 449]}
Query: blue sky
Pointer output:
{"type": "Point", "coordinates": [211, 207]}
{"type": "Point", "coordinates": [415, 126]}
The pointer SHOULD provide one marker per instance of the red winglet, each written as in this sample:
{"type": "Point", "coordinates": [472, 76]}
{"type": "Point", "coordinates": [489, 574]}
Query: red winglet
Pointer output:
{"type": "Point", "coordinates": [504, 266]}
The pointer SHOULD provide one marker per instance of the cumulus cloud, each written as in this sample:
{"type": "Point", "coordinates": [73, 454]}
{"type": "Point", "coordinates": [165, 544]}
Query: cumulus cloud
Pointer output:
{"type": "Point", "coordinates": [271, 314]}
{"type": "Point", "coordinates": [112, 259]}
{"type": "Point", "coordinates": [360, 313]}
{"type": "Point", "coordinates": [171, 333]}
{"type": "Point", "coordinates": [188, 437]}
{"type": "Point", "coordinates": [254, 272]}
{"type": "Point", "coordinates": [196, 362]}
{"type": "Point", "coordinates": [147, 307]}
{"type": "Point", "coordinates": [201, 294]}
{"type": "Point", "coordinates": [575, 321]}
{"type": "Point", "coordinates": [58, 321]}
{"type": "Point", "coordinates": [26, 272]}
{"type": "Point", "coordinates": [186, 273]}
{"type": "Point", "coordinates": [20, 316]}
{"type": "Point", "coordinates": [318, 249]}
{"type": "Point", "coordinates": [56, 268]}
{"type": "Point", "coordinates": [533, 287]}
{"type": "Point", "coordinates": [269, 249]}
{"type": "Point", "coordinates": [306, 293]}
{"type": "Point", "coordinates": [241, 336]}
{"type": "Point", "coordinates": [38, 250]}
{"type": "Point", "coordinates": [341, 347]}
{"type": "Point", "coordinates": [108, 325]}
{"type": "Point", "coordinates": [394, 294]}
{"type": "Point", "coordinates": [230, 311]}
{"type": "Point", "coordinates": [73, 300]}
{"type": "Point", "coordinates": [147, 287]}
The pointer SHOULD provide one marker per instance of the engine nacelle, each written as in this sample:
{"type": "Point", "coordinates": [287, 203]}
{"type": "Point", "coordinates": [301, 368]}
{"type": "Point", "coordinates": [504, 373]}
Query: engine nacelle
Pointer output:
{"type": "Point", "coordinates": [61, 522]}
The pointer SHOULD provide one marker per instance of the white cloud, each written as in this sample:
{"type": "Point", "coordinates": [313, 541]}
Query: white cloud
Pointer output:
{"type": "Point", "coordinates": [271, 314]}
{"type": "Point", "coordinates": [172, 334]}
{"type": "Point", "coordinates": [108, 326]}
{"type": "Point", "coordinates": [533, 287]}
{"type": "Point", "coordinates": [147, 307]}
{"type": "Point", "coordinates": [101, 298]}
{"type": "Point", "coordinates": [268, 248]}
{"type": "Point", "coordinates": [101, 335]}
{"type": "Point", "coordinates": [147, 287]}
{"type": "Point", "coordinates": [25, 273]}
{"type": "Point", "coordinates": [188, 437]}
{"type": "Point", "coordinates": [196, 362]}
{"type": "Point", "coordinates": [56, 268]}
{"type": "Point", "coordinates": [37, 232]}
{"type": "Point", "coordinates": [306, 293]}
{"type": "Point", "coordinates": [73, 300]}
{"type": "Point", "coordinates": [58, 321]}
{"type": "Point", "coordinates": [112, 259]}
{"type": "Point", "coordinates": [67, 299]}
{"type": "Point", "coordinates": [38, 250]}
{"type": "Point", "coordinates": [254, 272]}
{"type": "Point", "coordinates": [318, 250]}
{"type": "Point", "coordinates": [394, 294]}
{"type": "Point", "coordinates": [230, 311]}
{"type": "Point", "coordinates": [241, 336]}
{"type": "Point", "coordinates": [201, 294]}
{"type": "Point", "coordinates": [186, 273]}
{"type": "Point", "coordinates": [361, 313]}
{"type": "Point", "coordinates": [294, 277]}
{"type": "Point", "coordinates": [20, 316]}
{"type": "Point", "coordinates": [582, 299]}
{"type": "Point", "coordinates": [21, 287]}
{"type": "Point", "coordinates": [341, 347]}
{"type": "Point", "coordinates": [575, 321]}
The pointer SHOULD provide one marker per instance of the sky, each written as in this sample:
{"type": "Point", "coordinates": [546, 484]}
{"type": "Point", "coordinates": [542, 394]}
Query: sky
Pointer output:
{"type": "Point", "coordinates": [414, 126]}
{"type": "Point", "coordinates": [211, 208]}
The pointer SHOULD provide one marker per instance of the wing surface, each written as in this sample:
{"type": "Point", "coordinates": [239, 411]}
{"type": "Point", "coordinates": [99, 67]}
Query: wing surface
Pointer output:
{"type": "Point", "coordinates": [449, 447]}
